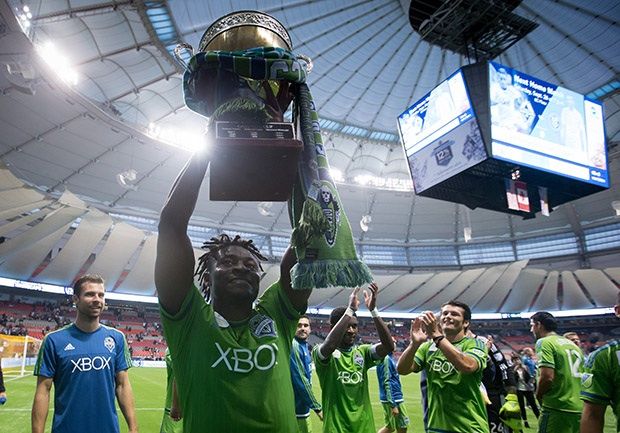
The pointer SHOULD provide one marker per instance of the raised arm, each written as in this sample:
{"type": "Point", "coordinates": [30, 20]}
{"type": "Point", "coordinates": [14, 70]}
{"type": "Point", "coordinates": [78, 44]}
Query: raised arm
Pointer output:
{"type": "Point", "coordinates": [174, 265]}
{"type": "Point", "coordinates": [406, 363]}
{"type": "Point", "coordinates": [386, 344]}
{"type": "Point", "coordinates": [299, 298]}
{"type": "Point", "coordinates": [124, 395]}
{"type": "Point", "coordinates": [334, 337]}
{"type": "Point", "coordinates": [41, 404]}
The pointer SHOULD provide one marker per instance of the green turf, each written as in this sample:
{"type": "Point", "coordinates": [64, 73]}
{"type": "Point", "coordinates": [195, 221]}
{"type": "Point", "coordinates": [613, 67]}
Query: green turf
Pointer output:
{"type": "Point", "coordinates": [149, 391]}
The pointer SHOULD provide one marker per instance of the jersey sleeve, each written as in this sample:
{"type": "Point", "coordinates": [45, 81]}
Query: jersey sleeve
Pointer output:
{"type": "Point", "coordinates": [277, 305]}
{"type": "Point", "coordinates": [46, 359]}
{"type": "Point", "coordinates": [178, 327]}
{"type": "Point", "coordinates": [477, 349]}
{"type": "Point", "coordinates": [421, 354]}
{"type": "Point", "coordinates": [369, 357]}
{"type": "Point", "coordinates": [123, 357]}
{"type": "Point", "coordinates": [596, 382]}
{"type": "Point", "coordinates": [544, 350]}
{"type": "Point", "coordinates": [319, 363]}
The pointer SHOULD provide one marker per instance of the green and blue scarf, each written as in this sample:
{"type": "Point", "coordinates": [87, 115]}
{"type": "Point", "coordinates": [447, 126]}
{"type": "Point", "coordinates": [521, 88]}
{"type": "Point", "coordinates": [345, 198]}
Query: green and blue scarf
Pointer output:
{"type": "Point", "coordinates": [322, 236]}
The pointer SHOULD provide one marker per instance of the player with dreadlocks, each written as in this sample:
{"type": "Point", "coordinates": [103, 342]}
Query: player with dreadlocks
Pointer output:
{"type": "Point", "coordinates": [230, 354]}
{"type": "Point", "coordinates": [214, 247]}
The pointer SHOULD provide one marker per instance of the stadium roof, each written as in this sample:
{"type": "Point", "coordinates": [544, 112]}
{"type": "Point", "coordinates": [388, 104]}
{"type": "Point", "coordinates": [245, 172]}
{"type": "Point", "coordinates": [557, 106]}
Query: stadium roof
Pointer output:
{"type": "Point", "coordinates": [126, 107]}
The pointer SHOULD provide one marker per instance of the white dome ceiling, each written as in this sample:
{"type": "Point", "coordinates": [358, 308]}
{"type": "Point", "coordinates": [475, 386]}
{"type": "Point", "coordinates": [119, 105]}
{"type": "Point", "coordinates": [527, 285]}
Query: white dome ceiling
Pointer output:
{"type": "Point", "coordinates": [369, 66]}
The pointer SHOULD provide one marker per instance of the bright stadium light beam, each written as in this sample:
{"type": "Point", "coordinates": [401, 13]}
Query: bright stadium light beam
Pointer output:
{"type": "Point", "coordinates": [336, 174]}
{"type": "Point", "coordinates": [58, 62]}
{"type": "Point", "coordinates": [191, 141]}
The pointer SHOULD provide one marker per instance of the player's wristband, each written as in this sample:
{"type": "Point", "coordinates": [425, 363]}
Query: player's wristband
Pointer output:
{"type": "Point", "coordinates": [437, 339]}
{"type": "Point", "coordinates": [349, 312]}
{"type": "Point", "coordinates": [375, 312]}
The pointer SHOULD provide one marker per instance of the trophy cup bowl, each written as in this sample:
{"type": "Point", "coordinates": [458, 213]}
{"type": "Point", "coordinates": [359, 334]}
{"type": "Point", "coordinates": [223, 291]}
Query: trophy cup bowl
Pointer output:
{"type": "Point", "coordinates": [255, 153]}
{"type": "Point", "coordinates": [245, 29]}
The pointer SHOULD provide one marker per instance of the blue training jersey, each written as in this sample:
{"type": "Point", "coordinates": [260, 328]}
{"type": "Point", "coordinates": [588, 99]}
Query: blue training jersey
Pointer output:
{"type": "Point", "coordinates": [390, 390]}
{"type": "Point", "coordinates": [83, 366]}
{"type": "Point", "coordinates": [301, 375]}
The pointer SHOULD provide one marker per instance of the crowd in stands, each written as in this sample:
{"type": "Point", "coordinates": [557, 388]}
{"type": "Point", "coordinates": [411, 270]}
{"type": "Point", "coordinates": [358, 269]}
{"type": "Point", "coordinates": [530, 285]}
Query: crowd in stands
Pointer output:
{"type": "Point", "coordinates": [39, 313]}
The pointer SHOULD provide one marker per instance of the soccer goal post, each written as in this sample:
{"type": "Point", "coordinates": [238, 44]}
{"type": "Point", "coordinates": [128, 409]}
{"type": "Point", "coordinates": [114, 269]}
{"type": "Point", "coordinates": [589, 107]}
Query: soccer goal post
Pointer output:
{"type": "Point", "coordinates": [18, 353]}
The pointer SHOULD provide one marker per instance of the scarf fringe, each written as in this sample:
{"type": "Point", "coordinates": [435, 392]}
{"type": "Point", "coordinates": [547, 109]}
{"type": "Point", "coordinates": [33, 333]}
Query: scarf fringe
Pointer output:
{"type": "Point", "coordinates": [310, 274]}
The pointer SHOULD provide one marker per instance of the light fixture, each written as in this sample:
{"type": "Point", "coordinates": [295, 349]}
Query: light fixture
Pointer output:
{"type": "Point", "coordinates": [58, 62]}
{"type": "Point", "coordinates": [616, 206]}
{"type": "Point", "coordinates": [264, 208]}
{"type": "Point", "coordinates": [127, 179]}
{"type": "Point", "coordinates": [365, 223]}
{"type": "Point", "coordinates": [336, 174]}
{"type": "Point", "coordinates": [467, 234]}
{"type": "Point", "coordinates": [466, 218]}
{"type": "Point", "coordinates": [192, 141]}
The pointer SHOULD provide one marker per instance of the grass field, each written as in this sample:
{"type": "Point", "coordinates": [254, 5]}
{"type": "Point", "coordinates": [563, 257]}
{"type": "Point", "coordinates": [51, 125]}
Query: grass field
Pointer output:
{"type": "Point", "coordinates": [149, 391]}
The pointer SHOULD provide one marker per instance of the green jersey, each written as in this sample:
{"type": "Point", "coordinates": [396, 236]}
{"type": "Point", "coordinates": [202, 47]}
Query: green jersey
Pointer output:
{"type": "Point", "coordinates": [566, 359]}
{"type": "Point", "coordinates": [168, 425]}
{"type": "Point", "coordinates": [600, 383]}
{"type": "Point", "coordinates": [455, 402]}
{"type": "Point", "coordinates": [344, 384]}
{"type": "Point", "coordinates": [234, 378]}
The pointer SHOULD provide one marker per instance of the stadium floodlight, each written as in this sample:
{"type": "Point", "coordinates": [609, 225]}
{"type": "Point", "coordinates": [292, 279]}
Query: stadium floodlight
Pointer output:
{"type": "Point", "coordinates": [191, 141]}
{"type": "Point", "coordinates": [467, 234]}
{"type": "Point", "coordinates": [58, 62]}
{"type": "Point", "coordinates": [264, 208]}
{"type": "Point", "coordinates": [365, 223]}
{"type": "Point", "coordinates": [127, 179]}
{"type": "Point", "coordinates": [336, 174]}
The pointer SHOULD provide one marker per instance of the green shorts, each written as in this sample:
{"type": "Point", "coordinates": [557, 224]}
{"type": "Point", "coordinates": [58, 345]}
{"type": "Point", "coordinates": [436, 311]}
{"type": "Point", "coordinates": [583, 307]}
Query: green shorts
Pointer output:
{"type": "Point", "coordinates": [393, 422]}
{"type": "Point", "coordinates": [557, 421]}
{"type": "Point", "coordinates": [304, 425]}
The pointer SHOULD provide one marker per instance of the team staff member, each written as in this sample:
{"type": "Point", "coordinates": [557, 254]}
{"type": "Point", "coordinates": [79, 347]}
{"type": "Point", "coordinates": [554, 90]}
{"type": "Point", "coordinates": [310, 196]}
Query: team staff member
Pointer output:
{"type": "Point", "coordinates": [342, 367]}
{"type": "Point", "coordinates": [301, 375]}
{"type": "Point", "coordinates": [499, 382]}
{"type": "Point", "coordinates": [560, 363]}
{"type": "Point", "coordinates": [391, 397]}
{"type": "Point", "coordinates": [87, 363]}
{"type": "Point", "coordinates": [454, 364]}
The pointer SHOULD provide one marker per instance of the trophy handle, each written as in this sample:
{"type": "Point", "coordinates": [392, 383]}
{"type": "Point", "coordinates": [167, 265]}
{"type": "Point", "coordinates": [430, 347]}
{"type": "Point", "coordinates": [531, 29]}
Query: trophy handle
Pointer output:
{"type": "Point", "coordinates": [178, 51]}
{"type": "Point", "coordinates": [307, 60]}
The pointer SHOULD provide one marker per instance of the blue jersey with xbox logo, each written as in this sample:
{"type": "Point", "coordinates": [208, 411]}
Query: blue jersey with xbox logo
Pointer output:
{"type": "Point", "coordinates": [84, 367]}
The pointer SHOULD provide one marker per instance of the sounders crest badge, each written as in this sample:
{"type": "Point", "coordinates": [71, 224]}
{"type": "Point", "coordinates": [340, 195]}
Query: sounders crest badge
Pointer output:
{"type": "Point", "coordinates": [262, 326]}
{"type": "Point", "coordinates": [331, 210]}
{"type": "Point", "coordinates": [358, 360]}
{"type": "Point", "coordinates": [109, 343]}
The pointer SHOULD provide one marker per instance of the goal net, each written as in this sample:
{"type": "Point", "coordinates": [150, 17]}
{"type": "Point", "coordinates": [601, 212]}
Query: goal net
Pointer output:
{"type": "Point", "coordinates": [18, 354]}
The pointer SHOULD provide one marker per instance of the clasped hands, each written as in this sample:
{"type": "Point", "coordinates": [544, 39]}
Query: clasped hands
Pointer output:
{"type": "Point", "coordinates": [424, 327]}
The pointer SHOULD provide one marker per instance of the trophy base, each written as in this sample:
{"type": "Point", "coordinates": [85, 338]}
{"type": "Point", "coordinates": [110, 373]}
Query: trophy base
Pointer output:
{"type": "Point", "coordinates": [253, 162]}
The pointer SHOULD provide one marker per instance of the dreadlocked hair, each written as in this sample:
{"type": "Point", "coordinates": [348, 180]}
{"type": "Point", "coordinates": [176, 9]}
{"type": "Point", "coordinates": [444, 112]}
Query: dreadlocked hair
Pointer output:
{"type": "Point", "coordinates": [213, 248]}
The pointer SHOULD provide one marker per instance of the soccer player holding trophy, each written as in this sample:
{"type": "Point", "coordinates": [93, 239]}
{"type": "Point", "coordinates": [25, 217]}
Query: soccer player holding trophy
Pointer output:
{"type": "Point", "coordinates": [230, 353]}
